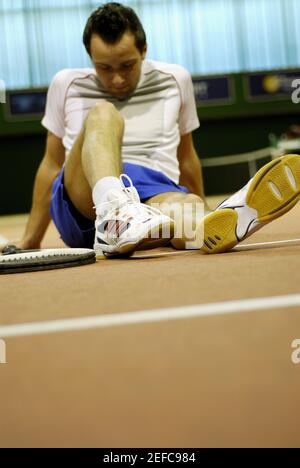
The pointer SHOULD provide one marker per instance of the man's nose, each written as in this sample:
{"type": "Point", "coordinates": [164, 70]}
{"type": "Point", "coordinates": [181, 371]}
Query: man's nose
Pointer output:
{"type": "Point", "coordinates": [118, 80]}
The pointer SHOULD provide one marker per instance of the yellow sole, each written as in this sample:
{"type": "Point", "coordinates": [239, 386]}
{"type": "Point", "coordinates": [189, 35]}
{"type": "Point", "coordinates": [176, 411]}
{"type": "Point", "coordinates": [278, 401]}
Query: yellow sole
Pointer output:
{"type": "Point", "coordinates": [274, 190]}
{"type": "Point", "coordinates": [219, 231]}
{"type": "Point", "coordinates": [283, 175]}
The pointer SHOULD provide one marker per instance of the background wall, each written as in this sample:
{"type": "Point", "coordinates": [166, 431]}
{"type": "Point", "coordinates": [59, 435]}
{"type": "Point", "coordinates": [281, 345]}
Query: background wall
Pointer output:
{"type": "Point", "coordinates": [40, 37]}
{"type": "Point", "coordinates": [241, 125]}
{"type": "Point", "coordinates": [229, 37]}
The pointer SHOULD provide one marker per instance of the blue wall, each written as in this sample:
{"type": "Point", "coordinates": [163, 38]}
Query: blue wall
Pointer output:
{"type": "Point", "coordinates": [40, 37]}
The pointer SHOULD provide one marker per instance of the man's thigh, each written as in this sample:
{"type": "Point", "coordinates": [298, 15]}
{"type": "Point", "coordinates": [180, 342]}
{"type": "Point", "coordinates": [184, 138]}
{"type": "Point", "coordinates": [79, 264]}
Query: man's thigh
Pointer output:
{"type": "Point", "coordinates": [75, 181]}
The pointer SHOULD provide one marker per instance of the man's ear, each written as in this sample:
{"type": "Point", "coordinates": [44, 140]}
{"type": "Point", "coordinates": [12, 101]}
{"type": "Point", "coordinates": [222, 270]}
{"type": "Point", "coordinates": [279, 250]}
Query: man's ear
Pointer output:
{"type": "Point", "coordinates": [145, 51]}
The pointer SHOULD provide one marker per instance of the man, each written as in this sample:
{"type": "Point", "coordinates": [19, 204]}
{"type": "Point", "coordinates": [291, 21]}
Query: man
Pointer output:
{"type": "Point", "coordinates": [134, 116]}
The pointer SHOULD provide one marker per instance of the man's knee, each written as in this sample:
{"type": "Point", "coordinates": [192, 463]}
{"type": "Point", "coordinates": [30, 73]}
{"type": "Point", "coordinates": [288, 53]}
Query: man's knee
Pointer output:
{"type": "Point", "coordinates": [104, 112]}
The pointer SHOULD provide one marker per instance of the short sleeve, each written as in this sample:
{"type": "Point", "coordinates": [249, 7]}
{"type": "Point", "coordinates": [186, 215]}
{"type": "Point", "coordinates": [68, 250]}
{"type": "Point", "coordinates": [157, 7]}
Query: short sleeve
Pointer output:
{"type": "Point", "coordinates": [188, 117]}
{"type": "Point", "coordinates": [54, 116]}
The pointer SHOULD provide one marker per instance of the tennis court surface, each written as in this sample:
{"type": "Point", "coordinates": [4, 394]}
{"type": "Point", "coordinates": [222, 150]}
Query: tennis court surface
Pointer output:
{"type": "Point", "coordinates": [179, 349]}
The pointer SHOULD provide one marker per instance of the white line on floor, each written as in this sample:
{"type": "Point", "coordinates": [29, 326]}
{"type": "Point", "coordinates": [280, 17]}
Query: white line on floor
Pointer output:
{"type": "Point", "coordinates": [237, 248]}
{"type": "Point", "coordinates": [155, 315]}
{"type": "Point", "coordinates": [267, 245]}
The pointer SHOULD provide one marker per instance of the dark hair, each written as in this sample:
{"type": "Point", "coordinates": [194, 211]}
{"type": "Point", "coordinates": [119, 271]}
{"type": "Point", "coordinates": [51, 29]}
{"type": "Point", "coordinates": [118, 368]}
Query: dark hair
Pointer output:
{"type": "Point", "coordinates": [110, 21]}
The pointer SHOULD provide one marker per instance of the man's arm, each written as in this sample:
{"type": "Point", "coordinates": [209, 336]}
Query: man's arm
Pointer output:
{"type": "Point", "coordinates": [49, 169]}
{"type": "Point", "coordinates": [190, 167]}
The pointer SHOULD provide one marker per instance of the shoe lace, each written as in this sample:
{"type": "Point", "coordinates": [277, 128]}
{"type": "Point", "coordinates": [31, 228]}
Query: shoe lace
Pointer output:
{"type": "Point", "coordinates": [132, 201]}
{"type": "Point", "coordinates": [133, 196]}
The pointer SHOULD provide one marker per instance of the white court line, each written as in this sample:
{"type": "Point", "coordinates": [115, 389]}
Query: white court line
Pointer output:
{"type": "Point", "coordinates": [155, 315]}
{"type": "Point", "coordinates": [267, 245]}
{"type": "Point", "coordinates": [237, 248]}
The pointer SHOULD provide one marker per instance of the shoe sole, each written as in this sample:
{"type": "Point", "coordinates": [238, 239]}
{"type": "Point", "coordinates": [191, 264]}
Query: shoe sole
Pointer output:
{"type": "Point", "coordinates": [153, 239]}
{"type": "Point", "coordinates": [274, 190]}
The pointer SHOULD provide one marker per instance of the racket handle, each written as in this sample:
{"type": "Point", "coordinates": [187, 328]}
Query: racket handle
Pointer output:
{"type": "Point", "coordinates": [13, 250]}
{"type": "Point", "coordinates": [10, 250]}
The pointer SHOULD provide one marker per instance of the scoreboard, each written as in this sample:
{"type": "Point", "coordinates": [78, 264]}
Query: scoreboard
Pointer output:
{"type": "Point", "coordinates": [27, 104]}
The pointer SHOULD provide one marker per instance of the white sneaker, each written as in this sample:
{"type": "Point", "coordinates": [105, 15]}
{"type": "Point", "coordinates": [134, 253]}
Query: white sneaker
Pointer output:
{"type": "Point", "coordinates": [273, 191]}
{"type": "Point", "coordinates": [124, 224]}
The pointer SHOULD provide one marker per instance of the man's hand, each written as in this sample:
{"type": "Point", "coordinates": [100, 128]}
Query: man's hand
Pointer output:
{"type": "Point", "coordinates": [20, 244]}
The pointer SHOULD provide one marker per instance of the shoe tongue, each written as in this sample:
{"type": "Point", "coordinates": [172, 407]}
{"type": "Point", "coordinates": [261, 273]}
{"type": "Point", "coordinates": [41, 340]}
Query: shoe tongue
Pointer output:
{"type": "Point", "coordinates": [116, 196]}
{"type": "Point", "coordinates": [112, 199]}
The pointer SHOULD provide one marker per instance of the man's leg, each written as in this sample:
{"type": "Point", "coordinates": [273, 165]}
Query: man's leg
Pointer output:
{"type": "Point", "coordinates": [186, 210]}
{"type": "Point", "coordinates": [272, 192]}
{"type": "Point", "coordinates": [91, 178]}
{"type": "Point", "coordinates": [96, 154]}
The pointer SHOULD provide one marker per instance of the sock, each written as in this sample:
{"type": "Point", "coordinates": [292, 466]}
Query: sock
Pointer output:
{"type": "Point", "coordinates": [103, 188]}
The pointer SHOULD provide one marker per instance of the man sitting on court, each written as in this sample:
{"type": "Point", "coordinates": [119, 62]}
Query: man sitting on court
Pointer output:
{"type": "Point", "coordinates": [120, 140]}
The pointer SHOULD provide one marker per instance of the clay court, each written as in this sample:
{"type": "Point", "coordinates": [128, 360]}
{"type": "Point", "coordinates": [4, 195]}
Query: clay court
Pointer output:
{"type": "Point", "coordinates": [167, 348]}
{"type": "Point", "coordinates": [178, 349]}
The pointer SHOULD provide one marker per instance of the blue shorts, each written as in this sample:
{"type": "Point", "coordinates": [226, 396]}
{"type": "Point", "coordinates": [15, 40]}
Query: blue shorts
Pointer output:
{"type": "Point", "coordinates": [79, 232]}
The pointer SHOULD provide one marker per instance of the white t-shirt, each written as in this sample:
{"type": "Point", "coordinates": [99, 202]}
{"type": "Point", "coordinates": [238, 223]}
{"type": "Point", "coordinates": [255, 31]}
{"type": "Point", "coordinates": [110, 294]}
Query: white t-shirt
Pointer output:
{"type": "Point", "coordinates": [161, 110]}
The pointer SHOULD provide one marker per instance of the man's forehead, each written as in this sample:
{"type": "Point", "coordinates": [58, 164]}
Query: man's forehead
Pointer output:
{"type": "Point", "coordinates": [125, 49]}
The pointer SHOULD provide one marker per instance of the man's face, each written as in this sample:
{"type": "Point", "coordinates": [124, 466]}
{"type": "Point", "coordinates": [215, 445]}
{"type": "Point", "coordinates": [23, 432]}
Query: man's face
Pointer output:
{"type": "Point", "coordinates": [118, 66]}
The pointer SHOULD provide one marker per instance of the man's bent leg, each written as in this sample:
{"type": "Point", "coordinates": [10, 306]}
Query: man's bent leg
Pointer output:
{"type": "Point", "coordinates": [122, 223]}
{"type": "Point", "coordinates": [96, 154]}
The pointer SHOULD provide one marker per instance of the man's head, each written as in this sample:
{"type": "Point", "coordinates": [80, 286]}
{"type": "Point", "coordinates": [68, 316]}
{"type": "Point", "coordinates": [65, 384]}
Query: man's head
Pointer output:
{"type": "Point", "coordinates": [116, 42]}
